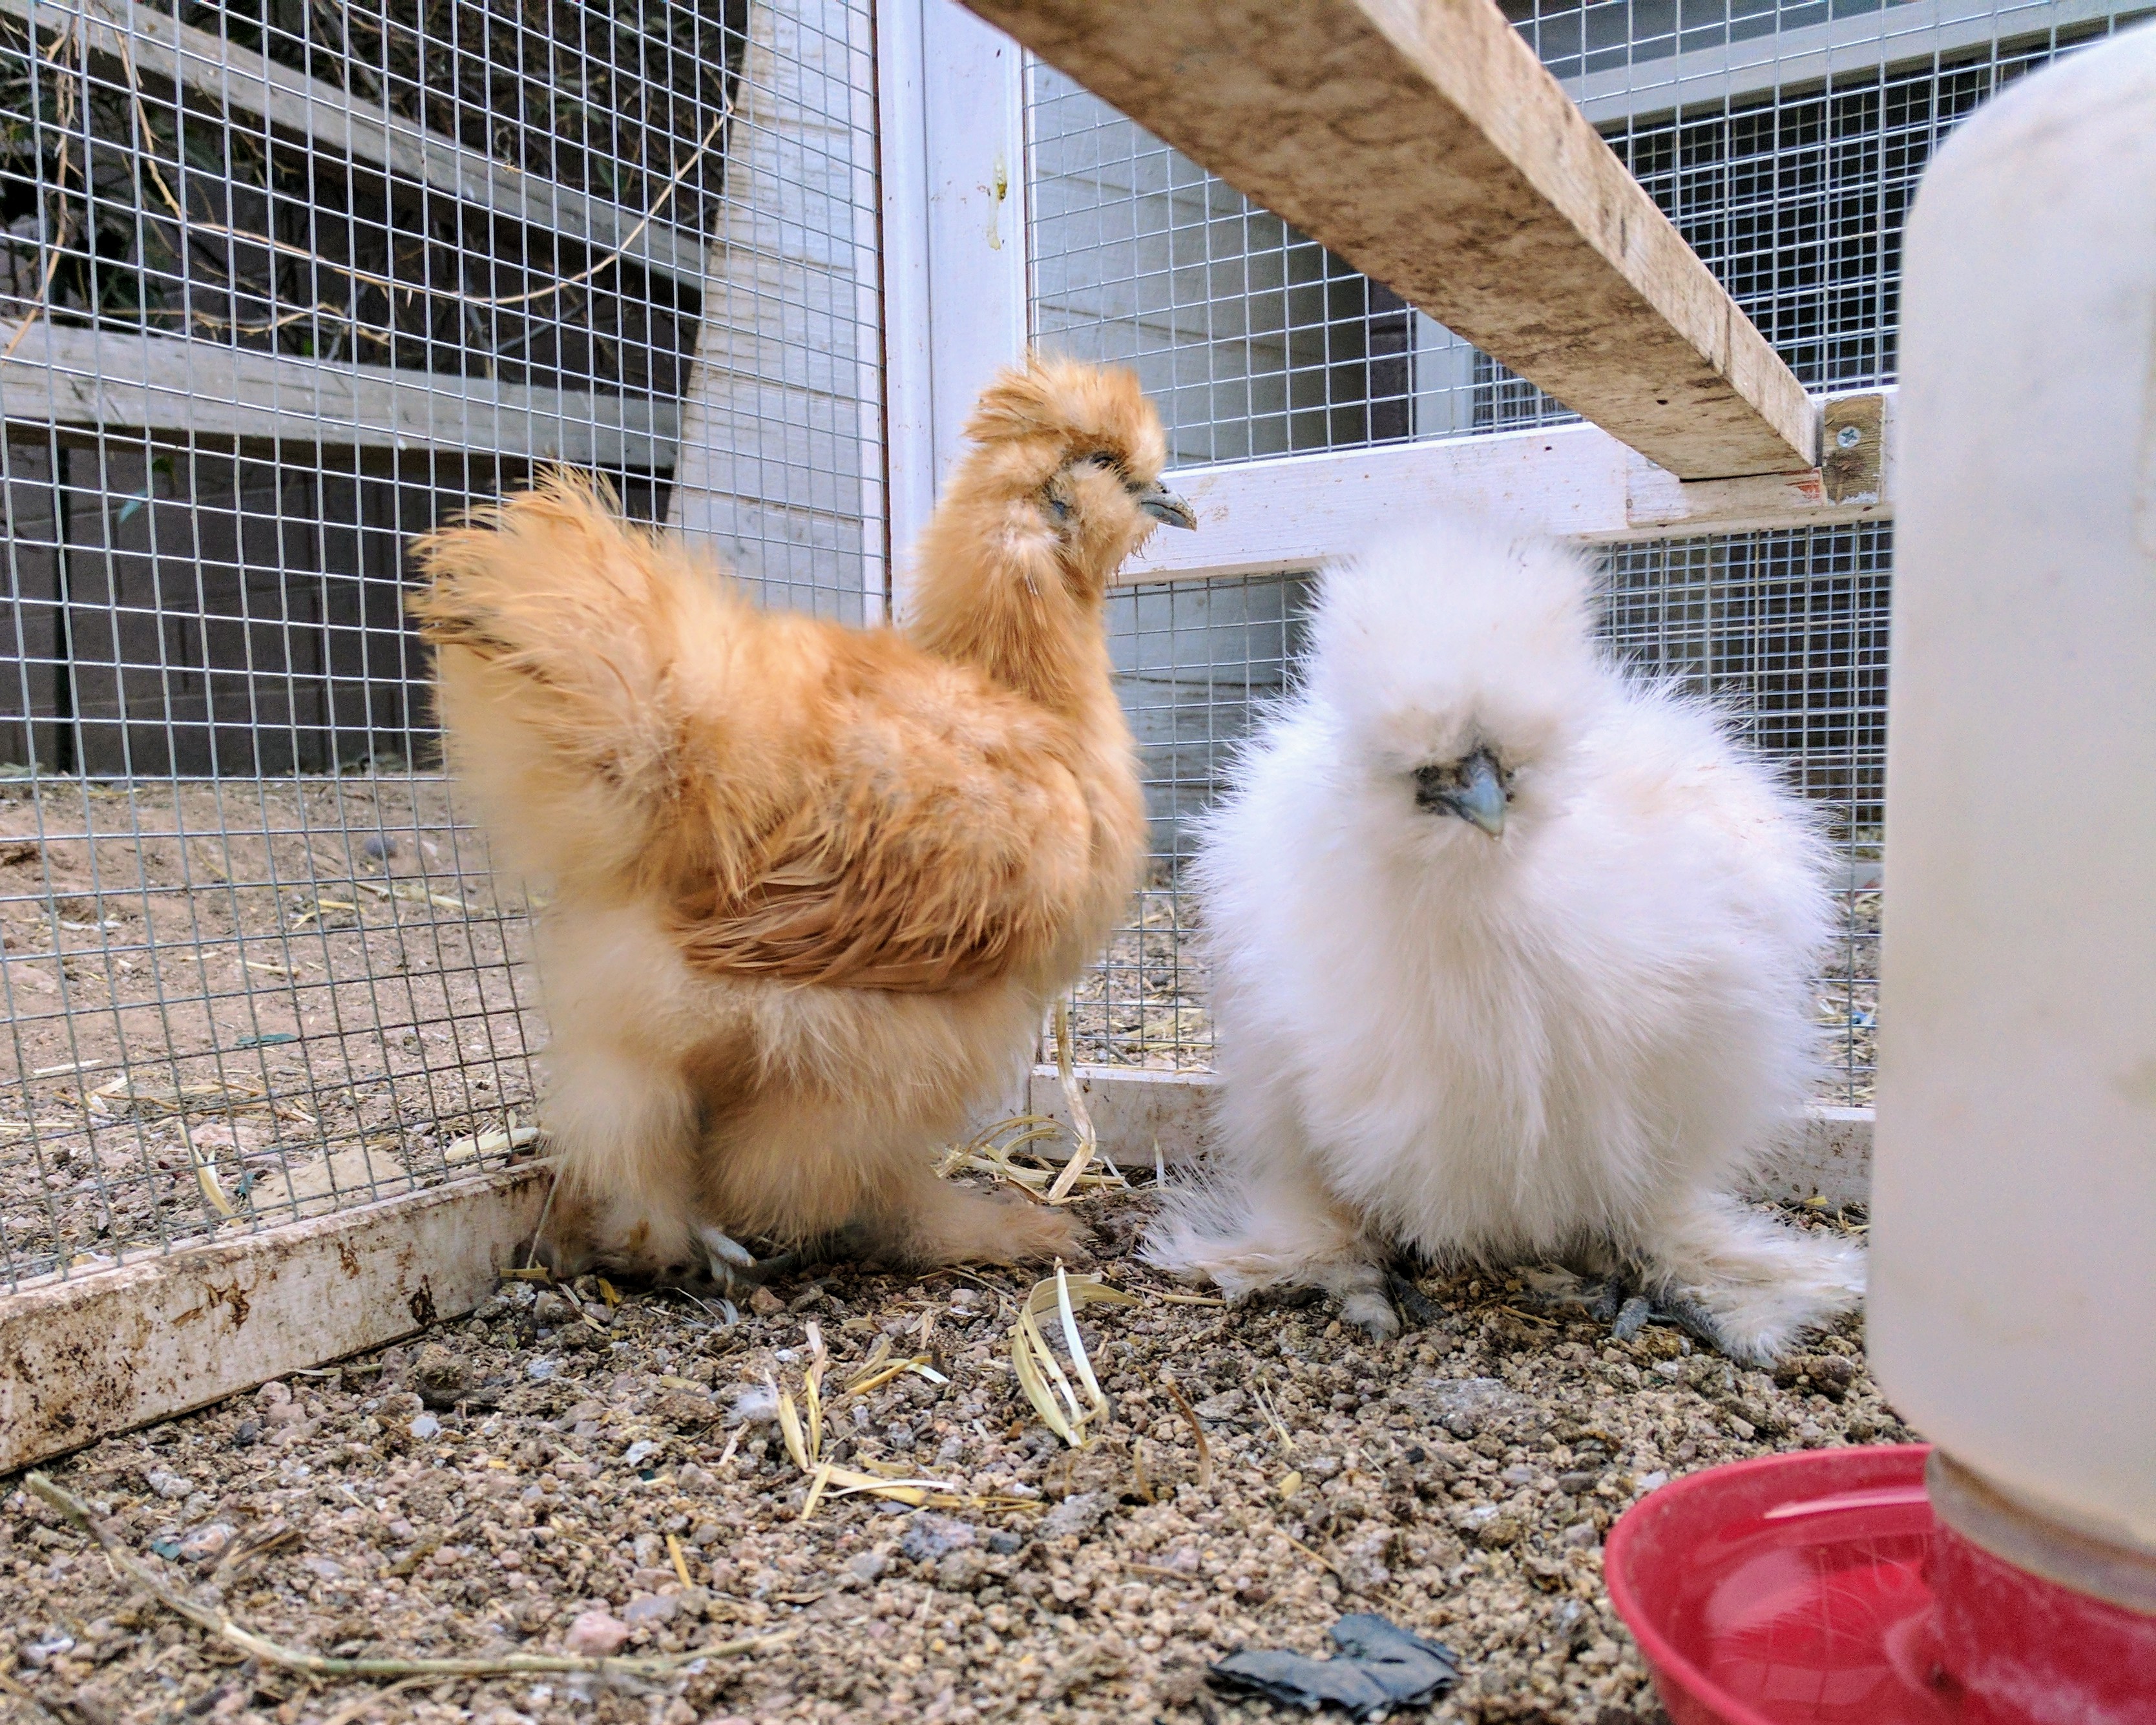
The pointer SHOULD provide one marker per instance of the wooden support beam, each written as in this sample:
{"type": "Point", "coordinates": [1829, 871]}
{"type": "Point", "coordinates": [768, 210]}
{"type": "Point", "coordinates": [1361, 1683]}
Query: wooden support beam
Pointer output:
{"type": "Point", "coordinates": [105, 1352]}
{"type": "Point", "coordinates": [1423, 141]}
{"type": "Point", "coordinates": [111, 380]}
{"type": "Point", "coordinates": [157, 45]}
{"type": "Point", "coordinates": [1297, 512]}
{"type": "Point", "coordinates": [1136, 1111]}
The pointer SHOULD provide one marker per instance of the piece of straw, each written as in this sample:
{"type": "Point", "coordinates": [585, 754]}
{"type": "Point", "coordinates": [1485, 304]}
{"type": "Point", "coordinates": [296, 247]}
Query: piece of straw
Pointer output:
{"type": "Point", "coordinates": [317, 1665]}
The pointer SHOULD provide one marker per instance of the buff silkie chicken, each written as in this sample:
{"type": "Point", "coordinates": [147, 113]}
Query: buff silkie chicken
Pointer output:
{"type": "Point", "coordinates": [812, 887]}
{"type": "Point", "coordinates": [1512, 951]}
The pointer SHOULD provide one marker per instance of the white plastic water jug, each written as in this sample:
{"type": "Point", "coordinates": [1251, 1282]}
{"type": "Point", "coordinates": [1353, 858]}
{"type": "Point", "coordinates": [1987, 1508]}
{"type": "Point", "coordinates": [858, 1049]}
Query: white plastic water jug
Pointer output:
{"type": "Point", "coordinates": [2013, 1315]}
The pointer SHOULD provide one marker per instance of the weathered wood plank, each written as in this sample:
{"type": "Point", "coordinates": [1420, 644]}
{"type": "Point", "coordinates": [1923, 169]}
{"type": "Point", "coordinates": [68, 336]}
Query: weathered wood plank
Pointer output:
{"type": "Point", "coordinates": [82, 1359]}
{"type": "Point", "coordinates": [1576, 482]}
{"type": "Point", "coordinates": [111, 380]}
{"type": "Point", "coordinates": [1423, 141]}
{"type": "Point", "coordinates": [160, 47]}
{"type": "Point", "coordinates": [1135, 1111]}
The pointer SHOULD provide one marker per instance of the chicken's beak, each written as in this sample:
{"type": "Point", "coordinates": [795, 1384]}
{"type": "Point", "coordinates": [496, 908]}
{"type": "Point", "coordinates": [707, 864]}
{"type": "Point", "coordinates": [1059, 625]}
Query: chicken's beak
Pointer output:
{"type": "Point", "coordinates": [1162, 505]}
{"type": "Point", "coordinates": [1479, 797]}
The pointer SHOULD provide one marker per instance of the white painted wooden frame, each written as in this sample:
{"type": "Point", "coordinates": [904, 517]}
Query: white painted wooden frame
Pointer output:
{"type": "Point", "coordinates": [951, 116]}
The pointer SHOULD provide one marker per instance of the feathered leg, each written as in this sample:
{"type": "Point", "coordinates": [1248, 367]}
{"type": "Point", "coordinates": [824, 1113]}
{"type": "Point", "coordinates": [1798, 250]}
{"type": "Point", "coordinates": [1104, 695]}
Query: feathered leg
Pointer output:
{"type": "Point", "coordinates": [623, 1131]}
{"type": "Point", "coordinates": [1758, 1284]}
{"type": "Point", "coordinates": [922, 1220]}
{"type": "Point", "coordinates": [1267, 1221]}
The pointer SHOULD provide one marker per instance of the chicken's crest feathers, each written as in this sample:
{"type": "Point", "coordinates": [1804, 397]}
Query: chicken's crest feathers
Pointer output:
{"type": "Point", "coordinates": [1036, 517]}
{"type": "Point", "coordinates": [1428, 642]}
{"type": "Point", "coordinates": [1071, 408]}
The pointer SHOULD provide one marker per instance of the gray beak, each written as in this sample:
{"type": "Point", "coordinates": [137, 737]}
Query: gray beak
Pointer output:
{"type": "Point", "coordinates": [1477, 795]}
{"type": "Point", "coordinates": [1164, 506]}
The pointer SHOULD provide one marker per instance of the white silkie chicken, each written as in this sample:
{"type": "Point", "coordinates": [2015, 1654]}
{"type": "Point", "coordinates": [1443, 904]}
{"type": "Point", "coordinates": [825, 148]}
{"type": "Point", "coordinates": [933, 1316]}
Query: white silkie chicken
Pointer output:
{"type": "Point", "coordinates": [1513, 953]}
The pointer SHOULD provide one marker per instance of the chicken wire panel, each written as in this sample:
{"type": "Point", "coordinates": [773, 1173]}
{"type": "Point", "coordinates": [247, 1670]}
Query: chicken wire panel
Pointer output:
{"type": "Point", "coordinates": [1787, 631]}
{"type": "Point", "coordinates": [282, 288]}
{"type": "Point", "coordinates": [1251, 339]}
{"type": "Point", "coordinates": [1195, 663]}
{"type": "Point", "coordinates": [1785, 142]}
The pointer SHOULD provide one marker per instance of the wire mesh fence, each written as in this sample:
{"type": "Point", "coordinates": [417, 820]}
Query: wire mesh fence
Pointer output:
{"type": "Point", "coordinates": [1786, 143]}
{"type": "Point", "coordinates": [280, 285]}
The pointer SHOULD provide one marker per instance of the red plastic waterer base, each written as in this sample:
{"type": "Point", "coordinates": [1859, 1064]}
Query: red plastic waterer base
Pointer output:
{"type": "Point", "coordinates": [1819, 1588]}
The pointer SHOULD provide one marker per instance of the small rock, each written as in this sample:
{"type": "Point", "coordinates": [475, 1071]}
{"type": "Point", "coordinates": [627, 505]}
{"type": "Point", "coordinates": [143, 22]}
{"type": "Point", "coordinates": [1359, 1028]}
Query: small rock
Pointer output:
{"type": "Point", "coordinates": [1226, 1405]}
{"type": "Point", "coordinates": [442, 1379]}
{"type": "Point", "coordinates": [272, 1395]}
{"type": "Point", "coordinates": [1004, 1543]}
{"type": "Point", "coordinates": [324, 1568]}
{"type": "Point", "coordinates": [638, 1452]}
{"type": "Point", "coordinates": [1466, 1406]}
{"type": "Point", "coordinates": [868, 1567]}
{"type": "Point", "coordinates": [378, 846]}
{"type": "Point", "coordinates": [649, 1608]}
{"type": "Point", "coordinates": [539, 1370]}
{"type": "Point", "coordinates": [596, 1635]}
{"type": "Point", "coordinates": [249, 1432]}
{"type": "Point", "coordinates": [1499, 1530]}
{"type": "Point", "coordinates": [425, 1428]}
{"type": "Point", "coordinates": [168, 1484]}
{"type": "Point", "coordinates": [1079, 1515]}
{"type": "Point", "coordinates": [1580, 1536]}
{"type": "Point", "coordinates": [38, 1655]}
{"type": "Point", "coordinates": [550, 1310]}
{"type": "Point", "coordinates": [765, 1304]}
{"type": "Point", "coordinates": [929, 1536]}
{"type": "Point", "coordinates": [686, 1408]}
{"type": "Point", "coordinates": [205, 1543]}
{"type": "Point", "coordinates": [1362, 1561]}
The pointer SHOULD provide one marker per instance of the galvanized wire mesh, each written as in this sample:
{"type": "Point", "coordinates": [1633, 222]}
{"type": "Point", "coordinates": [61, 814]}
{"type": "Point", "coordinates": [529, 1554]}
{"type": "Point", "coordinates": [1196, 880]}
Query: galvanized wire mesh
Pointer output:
{"type": "Point", "coordinates": [280, 285]}
{"type": "Point", "coordinates": [1786, 142]}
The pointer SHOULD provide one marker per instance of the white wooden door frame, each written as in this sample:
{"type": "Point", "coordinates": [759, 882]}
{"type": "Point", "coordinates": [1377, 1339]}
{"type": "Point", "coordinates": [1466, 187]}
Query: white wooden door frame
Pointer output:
{"type": "Point", "coordinates": [951, 117]}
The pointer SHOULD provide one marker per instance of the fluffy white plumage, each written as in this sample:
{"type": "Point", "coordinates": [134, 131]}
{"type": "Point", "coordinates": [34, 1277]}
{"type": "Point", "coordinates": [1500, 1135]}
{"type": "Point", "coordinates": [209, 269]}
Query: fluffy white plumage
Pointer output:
{"type": "Point", "coordinates": [1568, 1042]}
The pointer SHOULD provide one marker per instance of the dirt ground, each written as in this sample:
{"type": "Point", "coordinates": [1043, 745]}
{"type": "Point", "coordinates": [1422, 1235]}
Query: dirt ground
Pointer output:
{"type": "Point", "coordinates": [480, 1489]}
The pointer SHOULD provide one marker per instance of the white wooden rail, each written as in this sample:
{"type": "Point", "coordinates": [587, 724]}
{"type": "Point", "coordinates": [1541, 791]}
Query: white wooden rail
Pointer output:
{"type": "Point", "coordinates": [1574, 482]}
{"type": "Point", "coordinates": [157, 45]}
{"type": "Point", "coordinates": [83, 1358]}
{"type": "Point", "coordinates": [96, 378]}
{"type": "Point", "coordinates": [1140, 1114]}
{"type": "Point", "coordinates": [1904, 31]}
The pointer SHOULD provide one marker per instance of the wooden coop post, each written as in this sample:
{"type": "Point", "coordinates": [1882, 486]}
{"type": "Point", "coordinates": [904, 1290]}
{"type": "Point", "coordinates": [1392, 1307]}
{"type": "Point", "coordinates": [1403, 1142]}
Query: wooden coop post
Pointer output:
{"type": "Point", "coordinates": [1424, 141]}
{"type": "Point", "coordinates": [779, 419]}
